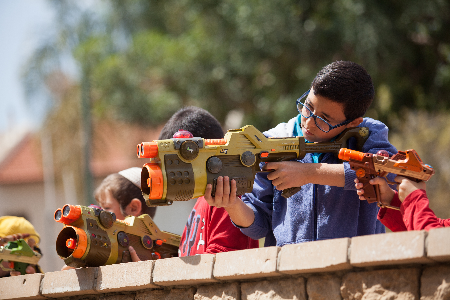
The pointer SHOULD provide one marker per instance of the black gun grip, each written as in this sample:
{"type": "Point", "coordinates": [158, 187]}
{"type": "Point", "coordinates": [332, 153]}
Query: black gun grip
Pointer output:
{"type": "Point", "coordinates": [286, 193]}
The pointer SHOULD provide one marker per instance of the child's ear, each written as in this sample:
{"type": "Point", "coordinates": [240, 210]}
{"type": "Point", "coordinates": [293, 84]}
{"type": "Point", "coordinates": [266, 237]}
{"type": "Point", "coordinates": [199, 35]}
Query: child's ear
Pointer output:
{"type": "Point", "coordinates": [134, 208]}
{"type": "Point", "coordinates": [355, 122]}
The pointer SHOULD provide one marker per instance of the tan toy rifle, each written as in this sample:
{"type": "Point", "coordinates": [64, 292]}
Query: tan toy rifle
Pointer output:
{"type": "Point", "coordinates": [93, 237]}
{"type": "Point", "coordinates": [180, 168]}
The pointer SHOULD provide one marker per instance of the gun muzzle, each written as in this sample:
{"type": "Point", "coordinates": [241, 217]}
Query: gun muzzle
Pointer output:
{"type": "Point", "coordinates": [152, 181]}
{"type": "Point", "coordinates": [147, 150]}
{"type": "Point", "coordinates": [71, 241]}
{"type": "Point", "coordinates": [347, 154]}
{"type": "Point", "coordinates": [67, 214]}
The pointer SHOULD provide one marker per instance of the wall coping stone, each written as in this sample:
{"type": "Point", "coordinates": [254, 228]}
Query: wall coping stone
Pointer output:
{"type": "Point", "coordinates": [237, 273]}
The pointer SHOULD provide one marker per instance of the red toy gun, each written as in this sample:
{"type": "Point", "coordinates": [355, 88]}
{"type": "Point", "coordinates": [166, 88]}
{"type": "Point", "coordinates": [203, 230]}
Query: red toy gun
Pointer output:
{"type": "Point", "coordinates": [367, 166]}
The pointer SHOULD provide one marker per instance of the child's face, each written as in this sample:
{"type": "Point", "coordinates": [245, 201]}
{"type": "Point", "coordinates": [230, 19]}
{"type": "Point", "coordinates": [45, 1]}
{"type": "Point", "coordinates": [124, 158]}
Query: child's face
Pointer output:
{"type": "Point", "coordinates": [109, 203]}
{"type": "Point", "coordinates": [330, 111]}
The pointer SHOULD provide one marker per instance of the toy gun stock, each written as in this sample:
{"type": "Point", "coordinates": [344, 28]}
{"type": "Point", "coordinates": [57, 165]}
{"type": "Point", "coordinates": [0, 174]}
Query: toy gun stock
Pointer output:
{"type": "Point", "coordinates": [93, 237]}
{"type": "Point", "coordinates": [180, 168]}
{"type": "Point", "coordinates": [367, 166]}
{"type": "Point", "coordinates": [19, 255]}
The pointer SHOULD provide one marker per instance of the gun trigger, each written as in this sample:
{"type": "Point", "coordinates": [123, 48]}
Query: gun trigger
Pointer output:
{"type": "Point", "coordinates": [126, 256]}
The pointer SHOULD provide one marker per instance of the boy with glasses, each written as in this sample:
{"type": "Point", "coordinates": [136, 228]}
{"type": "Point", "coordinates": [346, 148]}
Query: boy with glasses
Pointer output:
{"type": "Point", "coordinates": [326, 206]}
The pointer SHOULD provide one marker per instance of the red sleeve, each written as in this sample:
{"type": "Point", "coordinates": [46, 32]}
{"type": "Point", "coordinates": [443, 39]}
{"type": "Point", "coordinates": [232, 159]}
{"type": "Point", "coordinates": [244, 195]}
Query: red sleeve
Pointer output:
{"type": "Point", "coordinates": [417, 214]}
{"type": "Point", "coordinates": [223, 236]}
{"type": "Point", "coordinates": [392, 218]}
{"type": "Point", "coordinates": [209, 230]}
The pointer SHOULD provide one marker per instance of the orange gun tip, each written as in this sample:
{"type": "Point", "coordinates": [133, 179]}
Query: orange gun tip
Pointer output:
{"type": "Point", "coordinates": [147, 150]}
{"type": "Point", "coordinates": [67, 214]}
{"type": "Point", "coordinates": [71, 243]}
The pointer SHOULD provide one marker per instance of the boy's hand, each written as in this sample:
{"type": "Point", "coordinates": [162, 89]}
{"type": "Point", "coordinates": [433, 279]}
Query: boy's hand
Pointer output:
{"type": "Point", "coordinates": [225, 195]}
{"type": "Point", "coordinates": [29, 270]}
{"type": "Point", "coordinates": [407, 186]}
{"type": "Point", "coordinates": [386, 193]}
{"type": "Point", "coordinates": [286, 174]}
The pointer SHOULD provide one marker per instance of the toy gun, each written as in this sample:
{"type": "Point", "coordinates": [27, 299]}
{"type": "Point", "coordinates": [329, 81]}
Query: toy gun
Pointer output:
{"type": "Point", "coordinates": [367, 166]}
{"type": "Point", "coordinates": [180, 168]}
{"type": "Point", "coordinates": [14, 237]}
{"type": "Point", "coordinates": [19, 255]}
{"type": "Point", "coordinates": [93, 237]}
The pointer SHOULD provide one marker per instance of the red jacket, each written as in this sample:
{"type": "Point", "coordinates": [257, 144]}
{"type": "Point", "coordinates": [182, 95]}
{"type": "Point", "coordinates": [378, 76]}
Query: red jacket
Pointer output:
{"type": "Point", "coordinates": [209, 230]}
{"type": "Point", "coordinates": [414, 214]}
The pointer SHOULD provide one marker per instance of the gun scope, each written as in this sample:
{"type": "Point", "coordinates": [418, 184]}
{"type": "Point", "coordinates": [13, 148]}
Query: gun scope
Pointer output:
{"type": "Point", "coordinates": [67, 214]}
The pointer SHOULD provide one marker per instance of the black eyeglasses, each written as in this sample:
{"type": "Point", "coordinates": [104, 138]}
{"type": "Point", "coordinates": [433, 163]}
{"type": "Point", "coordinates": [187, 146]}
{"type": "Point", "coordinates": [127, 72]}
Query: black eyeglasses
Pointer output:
{"type": "Point", "coordinates": [306, 112]}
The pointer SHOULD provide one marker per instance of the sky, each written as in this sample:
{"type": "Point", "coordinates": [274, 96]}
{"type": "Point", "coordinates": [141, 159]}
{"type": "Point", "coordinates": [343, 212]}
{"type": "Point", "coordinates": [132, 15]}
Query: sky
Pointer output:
{"type": "Point", "coordinates": [22, 25]}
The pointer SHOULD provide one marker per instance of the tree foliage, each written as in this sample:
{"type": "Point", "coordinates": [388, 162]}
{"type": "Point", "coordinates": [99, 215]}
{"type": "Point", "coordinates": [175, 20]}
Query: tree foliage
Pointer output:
{"type": "Point", "coordinates": [259, 56]}
{"type": "Point", "coordinates": [145, 59]}
{"type": "Point", "coordinates": [148, 58]}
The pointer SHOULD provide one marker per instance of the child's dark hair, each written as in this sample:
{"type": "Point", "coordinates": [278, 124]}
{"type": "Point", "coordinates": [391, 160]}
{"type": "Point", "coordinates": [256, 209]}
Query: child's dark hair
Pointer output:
{"type": "Point", "coordinates": [348, 83]}
{"type": "Point", "coordinates": [196, 120]}
{"type": "Point", "coordinates": [123, 190]}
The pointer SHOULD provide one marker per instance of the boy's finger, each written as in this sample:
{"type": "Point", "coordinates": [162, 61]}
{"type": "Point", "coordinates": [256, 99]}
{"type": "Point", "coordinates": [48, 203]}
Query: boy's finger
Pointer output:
{"type": "Point", "coordinates": [226, 188]}
{"type": "Point", "coordinates": [233, 190]}
{"type": "Point", "coordinates": [377, 180]}
{"type": "Point", "coordinates": [133, 254]}
{"type": "Point", "coordinates": [31, 242]}
{"type": "Point", "coordinates": [30, 270]}
{"type": "Point", "coordinates": [208, 191]}
{"type": "Point", "coordinates": [269, 166]}
{"type": "Point", "coordinates": [219, 188]}
{"type": "Point", "coordinates": [399, 179]}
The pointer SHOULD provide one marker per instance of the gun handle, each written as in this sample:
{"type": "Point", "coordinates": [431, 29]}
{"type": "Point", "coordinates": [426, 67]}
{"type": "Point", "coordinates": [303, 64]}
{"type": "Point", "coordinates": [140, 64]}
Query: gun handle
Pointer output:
{"type": "Point", "coordinates": [371, 192]}
{"type": "Point", "coordinates": [20, 267]}
{"type": "Point", "coordinates": [286, 193]}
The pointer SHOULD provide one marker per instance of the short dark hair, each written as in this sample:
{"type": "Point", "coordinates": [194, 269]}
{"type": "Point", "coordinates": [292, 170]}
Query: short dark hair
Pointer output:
{"type": "Point", "coordinates": [123, 190]}
{"type": "Point", "coordinates": [194, 119]}
{"type": "Point", "coordinates": [348, 83]}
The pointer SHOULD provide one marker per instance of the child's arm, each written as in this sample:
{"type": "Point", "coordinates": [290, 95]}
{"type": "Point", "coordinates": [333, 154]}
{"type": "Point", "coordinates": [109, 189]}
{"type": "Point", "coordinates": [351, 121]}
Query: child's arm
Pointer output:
{"type": "Point", "coordinates": [415, 209]}
{"type": "Point", "coordinates": [225, 197]}
{"type": "Point", "coordinates": [289, 174]}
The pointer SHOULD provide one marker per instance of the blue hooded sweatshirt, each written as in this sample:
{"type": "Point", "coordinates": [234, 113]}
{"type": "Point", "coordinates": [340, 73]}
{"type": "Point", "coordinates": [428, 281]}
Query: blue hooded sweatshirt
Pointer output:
{"type": "Point", "coordinates": [316, 212]}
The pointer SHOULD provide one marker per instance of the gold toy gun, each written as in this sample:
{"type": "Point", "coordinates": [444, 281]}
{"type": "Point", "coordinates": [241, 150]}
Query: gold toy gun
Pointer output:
{"type": "Point", "coordinates": [180, 168]}
{"type": "Point", "coordinates": [19, 255]}
{"type": "Point", "coordinates": [93, 237]}
{"type": "Point", "coordinates": [367, 166]}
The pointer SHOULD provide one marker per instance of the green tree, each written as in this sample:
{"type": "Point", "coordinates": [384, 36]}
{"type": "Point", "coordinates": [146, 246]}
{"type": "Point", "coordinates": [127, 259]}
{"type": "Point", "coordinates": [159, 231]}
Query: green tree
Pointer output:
{"type": "Point", "coordinates": [149, 58]}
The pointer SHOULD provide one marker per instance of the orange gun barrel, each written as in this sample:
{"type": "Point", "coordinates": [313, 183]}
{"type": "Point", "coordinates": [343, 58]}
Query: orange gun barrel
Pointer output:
{"type": "Point", "coordinates": [347, 154]}
{"type": "Point", "coordinates": [147, 150]}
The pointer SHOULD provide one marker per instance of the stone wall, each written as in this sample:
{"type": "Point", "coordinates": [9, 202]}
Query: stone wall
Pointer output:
{"type": "Point", "coordinates": [405, 265]}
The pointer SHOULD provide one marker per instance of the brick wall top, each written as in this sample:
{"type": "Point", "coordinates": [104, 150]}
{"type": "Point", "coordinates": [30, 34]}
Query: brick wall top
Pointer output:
{"type": "Point", "coordinates": [301, 265]}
